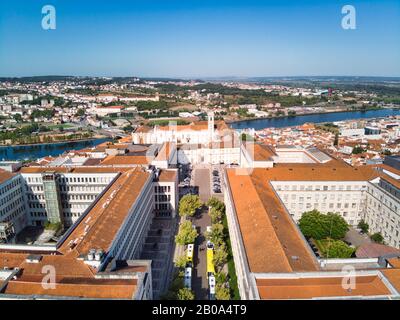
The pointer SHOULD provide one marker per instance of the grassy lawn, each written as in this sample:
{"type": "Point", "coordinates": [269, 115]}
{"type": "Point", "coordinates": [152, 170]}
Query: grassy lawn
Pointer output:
{"type": "Point", "coordinates": [58, 126]}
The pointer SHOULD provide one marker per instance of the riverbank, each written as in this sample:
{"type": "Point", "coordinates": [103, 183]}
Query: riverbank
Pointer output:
{"type": "Point", "coordinates": [280, 122]}
{"type": "Point", "coordinates": [305, 114]}
{"type": "Point", "coordinates": [49, 143]}
{"type": "Point", "coordinates": [36, 151]}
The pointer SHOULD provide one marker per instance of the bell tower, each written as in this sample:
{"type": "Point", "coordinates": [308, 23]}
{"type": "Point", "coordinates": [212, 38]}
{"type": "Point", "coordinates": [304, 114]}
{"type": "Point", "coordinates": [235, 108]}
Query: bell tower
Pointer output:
{"type": "Point", "coordinates": [210, 119]}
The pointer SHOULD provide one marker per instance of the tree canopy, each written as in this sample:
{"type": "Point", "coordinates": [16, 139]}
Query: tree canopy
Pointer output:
{"type": "Point", "coordinates": [337, 249]}
{"type": "Point", "coordinates": [185, 294]}
{"type": "Point", "coordinates": [189, 204]}
{"type": "Point", "coordinates": [377, 237]}
{"type": "Point", "coordinates": [187, 234]}
{"type": "Point", "coordinates": [222, 293]}
{"type": "Point", "coordinates": [363, 226]}
{"type": "Point", "coordinates": [314, 224]}
{"type": "Point", "coordinates": [220, 255]}
{"type": "Point", "coordinates": [217, 209]}
{"type": "Point", "coordinates": [216, 235]}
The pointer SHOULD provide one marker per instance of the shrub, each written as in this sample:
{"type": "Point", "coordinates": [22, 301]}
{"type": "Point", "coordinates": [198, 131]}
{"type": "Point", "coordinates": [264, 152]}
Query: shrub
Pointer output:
{"type": "Point", "coordinates": [185, 294]}
{"type": "Point", "coordinates": [363, 226]}
{"type": "Point", "coordinates": [377, 237]}
{"type": "Point", "coordinates": [222, 293]}
{"type": "Point", "coordinates": [181, 261]}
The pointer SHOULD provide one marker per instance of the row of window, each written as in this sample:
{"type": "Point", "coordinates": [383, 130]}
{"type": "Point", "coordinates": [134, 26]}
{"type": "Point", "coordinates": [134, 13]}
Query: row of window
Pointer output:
{"type": "Point", "coordinates": [321, 197]}
{"type": "Point", "coordinates": [162, 198]}
{"type": "Point", "coordinates": [162, 189]}
{"type": "Point", "coordinates": [83, 197]}
{"type": "Point", "coordinates": [319, 188]}
{"type": "Point", "coordinates": [10, 184]}
{"type": "Point", "coordinates": [11, 215]}
{"type": "Point", "coordinates": [10, 196]}
{"type": "Point", "coordinates": [102, 180]}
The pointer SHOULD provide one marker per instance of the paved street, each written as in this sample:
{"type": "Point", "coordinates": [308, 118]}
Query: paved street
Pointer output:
{"type": "Point", "coordinates": [201, 178]}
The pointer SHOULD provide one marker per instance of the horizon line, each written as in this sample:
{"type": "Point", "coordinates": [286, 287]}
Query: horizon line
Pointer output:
{"type": "Point", "coordinates": [197, 77]}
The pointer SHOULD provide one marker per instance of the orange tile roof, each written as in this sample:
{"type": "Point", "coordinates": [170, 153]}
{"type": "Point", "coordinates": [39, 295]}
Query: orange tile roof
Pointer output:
{"type": "Point", "coordinates": [270, 237]}
{"type": "Point", "coordinates": [74, 278]}
{"type": "Point", "coordinates": [388, 168]}
{"type": "Point", "coordinates": [272, 241]}
{"type": "Point", "coordinates": [43, 169]}
{"type": "Point", "coordinates": [393, 275]}
{"type": "Point", "coordinates": [127, 139]}
{"type": "Point", "coordinates": [5, 175]}
{"type": "Point", "coordinates": [394, 262]}
{"type": "Point", "coordinates": [260, 152]}
{"type": "Point", "coordinates": [91, 288]}
{"type": "Point", "coordinates": [106, 219]}
{"type": "Point", "coordinates": [317, 172]}
{"type": "Point", "coordinates": [168, 175]}
{"type": "Point", "coordinates": [126, 160]}
{"type": "Point", "coordinates": [11, 260]}
{"type": "Point", "coordinates": [308, 288]}
{"type": "Point", "coordinates": [186, 127]}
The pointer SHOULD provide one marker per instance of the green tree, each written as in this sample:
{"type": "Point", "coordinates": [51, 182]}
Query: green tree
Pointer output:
{"type": "Point", "coordinates": [17, 117]}
{"type": "Point", "coordinates": [337, 249]}
{"type": "Point", "coordinates": [336, 141]}
{"type": "Point", "coordinates": [358, 150]}
{"type": "Point", "coordinates": [187, 234]}
{"type": "Point", "coordinates": [220, 255]}
{"type": "Point", "coordinates": [176, 284]}
{"type": "Point", "coordinates": [216, 204]}
{"type": "Point", "coordinates": [311, 225]}
{"type": "Point", "coordinates": [216, 235]}
{"type": "Point", "coordinates": [189, 204]}
{"type": "Point", "coordinates": [363, 226]}
{"type": "Point", "coordinates": [336, 226]}
{"type": "Point", "coordinates": [215, 215]}
{"type": "Point", "coordinates": [185, 294]}
{"type": "Point", "coordinates": [181, 261]}
{"type": "Point", "coordinates": [314, 224]}
{"type": "Point", "coordinates": [377, 237]}
{"type": "Point", "coordinates": [222, 293]}
{"type": "Point", "coordinates": [220, 278]}
{"type": "Point", "coordinates": [80, 113]}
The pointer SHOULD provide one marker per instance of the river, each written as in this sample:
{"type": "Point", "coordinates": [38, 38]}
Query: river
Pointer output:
{"type": "Point", "coordinates": [32, 152]}
{"type": "Point", "coordinates": [259, 124]}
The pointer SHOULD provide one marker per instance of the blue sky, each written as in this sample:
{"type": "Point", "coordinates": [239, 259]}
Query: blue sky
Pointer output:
{"type": "Point", "coordinates": [191, 38]}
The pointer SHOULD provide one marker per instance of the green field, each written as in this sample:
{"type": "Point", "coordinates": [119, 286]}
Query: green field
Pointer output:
{"type": "Point", "coordinates": [58, 126]}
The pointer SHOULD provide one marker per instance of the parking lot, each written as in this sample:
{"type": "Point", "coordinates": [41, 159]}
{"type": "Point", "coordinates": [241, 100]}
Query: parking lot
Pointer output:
{"type": "Point", "coordinates": [216, 176]}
